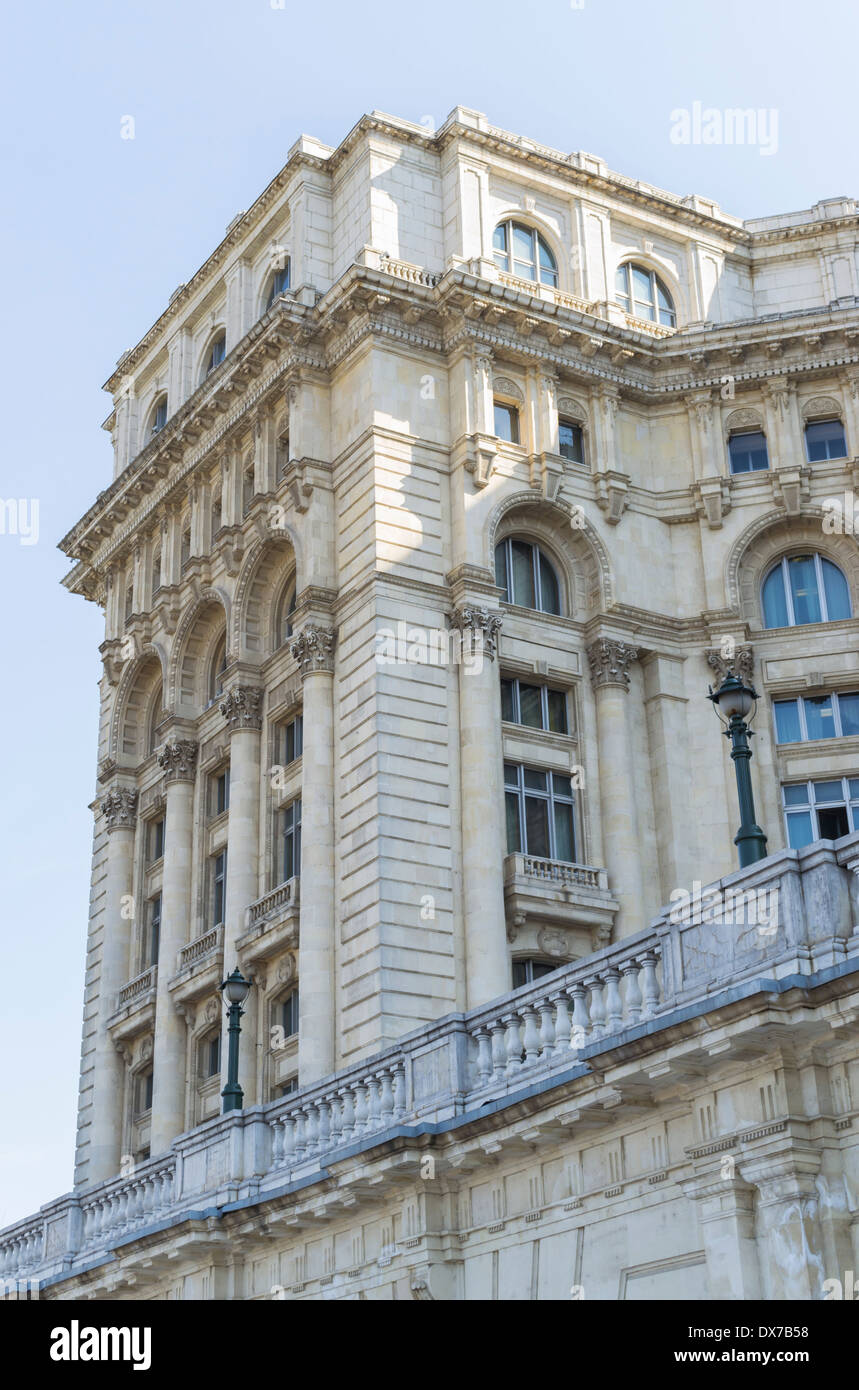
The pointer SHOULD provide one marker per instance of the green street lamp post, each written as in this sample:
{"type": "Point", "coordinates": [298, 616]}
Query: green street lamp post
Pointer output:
{"type": "Point", "coordinates": [735, 704]}
{"type": "Point", "coordinates": [235, 990]}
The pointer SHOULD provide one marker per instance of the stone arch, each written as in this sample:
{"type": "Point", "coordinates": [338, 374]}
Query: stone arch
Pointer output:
{"type": "Point", "coordinates": [132, 710]}
{"type": "Point", "coordinates": [535, 220]}
{"type": "Point", "coordinates": [633, 255]}
{"type": "Point", "coordinates": [197, 636]}
{"type": "Point", "coordinates": [505, 386]}
{"type": "Point", "coordinates": [822, 408]}
{"type": "Point", "coordinates": [270, 562]}
{"type": "Point", "coordinates": [746, 419]}
{"type": "Point", "coordinates": [581, 558]}
{"type": "Point", "coordinates": [768, 539]}
{"type": "Point", "coordinates": [573, 408]}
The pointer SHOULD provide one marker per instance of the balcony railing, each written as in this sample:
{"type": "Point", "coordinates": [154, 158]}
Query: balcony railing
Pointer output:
{"type": "Point", "coordinates": [201, 947]}
{"type": "Point", "coordinates": [137, 987]}
{"type": "Point", "coordinates": [556, 872]}
{"type": "Point", "coordinates": [278, 900]}
{"type": "Point", "coordinates": [404, 270]}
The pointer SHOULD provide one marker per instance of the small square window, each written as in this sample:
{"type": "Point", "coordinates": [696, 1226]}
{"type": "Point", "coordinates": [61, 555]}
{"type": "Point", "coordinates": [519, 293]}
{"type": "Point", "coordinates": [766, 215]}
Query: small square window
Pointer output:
{"type": "Point", "coordinates": [748, 452]}
{"type": "Point", "coordinates": [507, 423]}
{"type": "Point", "coordinates": [825, 439]}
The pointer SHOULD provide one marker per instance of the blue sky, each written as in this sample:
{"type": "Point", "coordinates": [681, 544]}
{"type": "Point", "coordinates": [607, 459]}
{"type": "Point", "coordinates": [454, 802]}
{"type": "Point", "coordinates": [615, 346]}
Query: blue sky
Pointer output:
{"type": "Point", "coordinates": [98, 231]}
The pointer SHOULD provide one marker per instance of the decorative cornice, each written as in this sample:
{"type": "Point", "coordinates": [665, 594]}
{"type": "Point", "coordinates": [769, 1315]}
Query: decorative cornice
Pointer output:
{"type": "Point", "coordinates": [482, 627]}
{"type": "Point", "coordinates": [119, 808]}
{"type": "Point", "coordinates": [609, 662]}
{"type": "Point", "coordinates": [241, 706]}
{"type": "Point", "coordinates": [313, 649]}
{"type": "Point", "coordinates": [179, 760]}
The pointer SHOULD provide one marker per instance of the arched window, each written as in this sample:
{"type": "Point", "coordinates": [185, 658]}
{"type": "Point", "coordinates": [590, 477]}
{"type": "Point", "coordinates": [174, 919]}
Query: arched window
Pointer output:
{"type": "Point", "coordinates": [217, 353]}
{"type": "Point", "coordinates": [216, 671]}
{"type": "Point", "coordinates": [522, 251]}
{"type": "Point", "coordinates": [279, 283]}
{"type": "Point", "coordinates": [643, 295]}
{"type": "Point", "coordinates": [527, 577]}
{"type": "Point", "coordinates": [158, 416]}
{"type": "Point", "coordinates": [805, 589]}
{"type": "Point", "coordinates": [283, 617]}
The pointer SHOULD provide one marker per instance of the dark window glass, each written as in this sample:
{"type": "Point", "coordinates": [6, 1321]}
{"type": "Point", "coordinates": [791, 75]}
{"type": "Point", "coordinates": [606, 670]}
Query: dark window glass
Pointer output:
{"type": "Point", "coordinates": [293, 738]}
{"type": "Point", "coordinates": [557, 703]}
{"type": "Point", "coordinates": [217, 353]}
{"type": "Point", "coordinates": [219, 887]}
{"type": "Point", "coordinates": [525, 972]}
{"type": "Point", "coordinates": [508, 711]}
{"type": "Point", "coordinates": [159, 419]}
{"type": "Point", "coordinates": [222, 792]}
{"type": "Point", "coordinates": [848, 708]}
{"type": "Point", "coordinates": [833, 822]}
{"type": "Point", "coordinates": [571, 441]}
{"type": "Point", "coordinates": [156, 840]}
{"type": "Point", "coordinates": [289, 1015]}
{"type": "Point", "coordinates": [291, 833]}
{"type": "Point", "coordinates": [825, 439]}
{"type": "Point", "coordinates": [539, 808]}
{"type": "Point", "coordinates": [154, 928]}
{"type": "Point", "coordinates": [280, 283]}
{"type": "Point", "coordinates": [537, 827]}
{"type": "Point", "coordinates": [212, 1056]}
{"type": "Point", "coordinates": [531, 706]}
{"type": "Point", "coordinates": [788, 729]}
{"type": "Point", "coordinates": [143, 1092]}
{"type": "Point", "coordinates": [748, 452]}
{"type": "Point", "coordinates": [514, 836]}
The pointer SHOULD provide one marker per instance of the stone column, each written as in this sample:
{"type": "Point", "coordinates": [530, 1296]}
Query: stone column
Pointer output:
{"type": "Point", "coordinates": [609, 663]}
{"type": "Point", "coordinates": [314, 652]}
{"type": "Point", "coordinates": [119, 809]}
{"type": "Point", "coordinates": [179, 761]}
{"type": "Point", "coordinates": [789, 1203]}
{"type": "Point", "coordinates": [484, 843]}
{"type": "Point", "coordinates": [726, 1215]}
{"type": "Point", "coordinates": [240, 708]}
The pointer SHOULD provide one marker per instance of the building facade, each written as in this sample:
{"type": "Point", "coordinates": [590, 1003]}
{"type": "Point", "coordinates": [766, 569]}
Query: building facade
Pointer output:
{"type": "Point", "coordinates": [442, 493]}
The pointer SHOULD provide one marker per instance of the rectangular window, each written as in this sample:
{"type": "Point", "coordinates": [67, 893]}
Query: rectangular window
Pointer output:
{"type": "Point", "coordinates": [154, 929]}
{"type": "Point", "coordinates": [155, 848]}
{"type": "Point", "coordinates": [540, 815]}
{"type": "Point", "coordinates": [211, 1057]}
{"type": "Point", "coordinates": [825, 439]}
{"type": "Point", "coordinates": [291, 740]}
{"type": "Point", "coordinates": [820, 810]}
{"type": "Point", "coordinates": [571, 441]}
{"type": "Point", "coordinates": [289, 1015]}
{"type": "Point", "coordinates": [291, 840]}
{"type": "Point", "coordinates": [219, 887]}
{"type": "Point", "coordinates": [221, 792]}
{"type": "Point", "coordinates": [815, 717]}
{"type": "Point", "coordinates": [287, 1088]}
{"type": "Point", "coordinates": [525, 972]}
{"type": "Point", "coordinates": [507, 423]}
{"type": "Point", "coordinates": [535, 706]}
{"type": "Point", "coordinates": [748, 452]}
{"type": "Point", "coordinates": [143, 1092]}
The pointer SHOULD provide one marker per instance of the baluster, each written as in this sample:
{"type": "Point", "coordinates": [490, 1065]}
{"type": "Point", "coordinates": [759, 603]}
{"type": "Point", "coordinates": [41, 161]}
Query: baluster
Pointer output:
{"type": "Point", "coordinates": [132, 1209]}
{"type": "Point", "coordinates": [614, 1003]}
{"type": "Point", "coordinates": [323, 1136]}
{"type": "Point", "coordinates": [650, 981]}
{"type": "Point", "coordinates": [167, 1188]}
{"type": "Point", "coordinates": [630, 972]}
{"type": "Point", "coordinates": [547, 1029]}
{"type": "Point", "coordinates": [514, 1044]}
{"type": "Point", "coordinates": [311, 1132]}
{"type": "Point", "coordinates": [374, 1114]}
{"type": "Point", "coordinates": [563, 1023]}
{"type": "Point", "coordinates": [532, 1035]}
{"type": "Point", "coordinates": [498, 1030]}
{"type": "Point", "coordinates": [399, 1091]}
{"type": "Point", "coordinates": [276, 1142]}
{"type": "Point", "coordinates": [300, 1142]}
{"type": "Point", "coordinates": [288, 1123]}
{"type": "Point", "coordinates": [86, 1234]}
{"type": "Point", "coordinates": [336, 1131]}
{"type": "Point", "coordinates": [386, 1101]}
{"type": "Point", "coordinates": [347, 1109]}
{"type": "Point", "coordinates": [360, 1093]}
{"type": "Point", "coordinates": [484, 1057]}
{"type": "Point", "coordinates": [596, 1007]}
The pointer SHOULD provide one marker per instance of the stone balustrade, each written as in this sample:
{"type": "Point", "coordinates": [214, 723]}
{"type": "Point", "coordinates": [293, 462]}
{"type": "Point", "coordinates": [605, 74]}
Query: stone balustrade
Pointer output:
{"type": "Point", "coordinates": [285, 895]}
{"type": "Point", "coordinates": [561, 874]}
{"type": "Point", "coordinates": [201, 946]}
{"type": "Point", "coordinates": [142, 984]}
{"type": "Point", "coordinates": [404, 270]}
{"type": "Point", "coordinates": [766, 928]}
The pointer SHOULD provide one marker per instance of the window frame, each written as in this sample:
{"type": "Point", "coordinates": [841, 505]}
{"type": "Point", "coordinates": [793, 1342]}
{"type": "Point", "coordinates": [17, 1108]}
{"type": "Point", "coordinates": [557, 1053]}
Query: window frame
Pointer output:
{"type": "Point", "coordinates": [507, 226]}
{"type": "Point", "coordinates": [155, 840]}
{"type": "Point", "coordinates": [296, 723]}
{"type": "Point", "coordinates": [527, 963]}
{"type": "Point", "coordinates": [157, 421]}
{"type": "Point", "coordinates": [219, 782]}
{"type": "Point", "coordinates": [747, 434]}
{"type": "Point", "coordinates": [511, 409]}
{"type": "Point", "coordinates": [630, 304]}
{"type": "Point", "coordinates": [566, 422]}
{"type": "Point", "coordinates": [818, 559]}
{"type": "Point", "coordinates": [537, 552]}
{"type": "Point", "coordinates": [152, 943]}
{"type": "Point", "coordinates": [850, 802]}
{"type": "Point", "coordinates": [217, 888]}
{"type": "Point", "coordinates": [211, 361]}
{"type": "Point", "coordinates": [516, 682]}
{"type": "Point", "coordinates": [275, 293]}
{"type": "Point", "coordinates": [143, 1078]}
{"type": "Point", "coordinates": [825, 420]}
{"type": "Point", "coordinates": [289, 831]}
{"type": "Point", "coordinates": [799, 700]}
{"type": "Point", "coordinates": [551, 799]}
{"type": "Point", "coordinates": [216, 684]}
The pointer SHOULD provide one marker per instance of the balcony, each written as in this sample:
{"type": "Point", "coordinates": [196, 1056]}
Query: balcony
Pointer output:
{"type": "Point", "coordinates": [570, 897]}
{"type": "Point", "coordinates": [135, 1007]}
{"type": "Point", "coordinates": [271, 924]}
{"type": "Point", "coordinates": [199, 967]}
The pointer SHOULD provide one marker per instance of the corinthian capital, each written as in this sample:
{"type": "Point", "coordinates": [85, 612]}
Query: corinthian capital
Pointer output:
{"type": "Point", "coordinates": [179, 760]}
{"type": "Point", "coordinates": [481, 626]}
{"type": "Point", "coordinates": [610, 661]}
{"type": "Point", "coordinates": [730, 658]}
{"type": "Point", "coordinates": [313, 649]}
{"type": "Point", "coordinates": [119, 808]}
{"type": "Point", "coordinates": [240, 707]}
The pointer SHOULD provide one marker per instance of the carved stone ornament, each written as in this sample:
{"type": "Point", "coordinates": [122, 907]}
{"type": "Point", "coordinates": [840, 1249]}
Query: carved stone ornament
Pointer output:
{"type": "Point", "coordinates": [286, 970]}
{"type": "Point", "coordinates": [313, 649]}
{"type": "Point", "coordinates": [744, 420]}
{"type": "Point", "coordinates": [503, 386]}
{"type": "Point", "coordinates": [240, 707]}
{"type": "Point", "coordinates": [119, 808]}
{"type": "Point", "coordinates": [610, 661]}
{"type": "Point", "coordinates": [821, 407]}
{"type": "Point", "coordinates": [552, 942]}
{"type": "Point", "coordinates": [480, 626]}
{"type": "Point", "coordinates": [742, 663]}
{"type": "Point", "coordinates": [179, 760]}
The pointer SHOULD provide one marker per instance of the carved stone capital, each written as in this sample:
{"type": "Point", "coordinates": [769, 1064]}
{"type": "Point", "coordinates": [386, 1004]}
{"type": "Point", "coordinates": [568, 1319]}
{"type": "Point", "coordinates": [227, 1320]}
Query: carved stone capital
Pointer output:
{"type": "Point", "coordinates": [741, 662]}
{"type": "Point", "coordinates": [240, 707]}
{"type": "Point", "coordinates": [313, 649]}
{"type": "Point", "coordinates": [480, 626]}
{"type": "Point", "coordinates": [179, 760]}
{"type": "Point", "coordinates": [119, 808]}
{"type": "Point", "coordinates": [610, 661]}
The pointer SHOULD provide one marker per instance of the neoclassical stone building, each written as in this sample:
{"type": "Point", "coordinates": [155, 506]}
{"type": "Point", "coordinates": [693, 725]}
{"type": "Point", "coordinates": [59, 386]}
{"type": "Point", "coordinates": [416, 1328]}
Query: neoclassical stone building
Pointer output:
{"type": "Point", "coordinates": [443, 491]}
